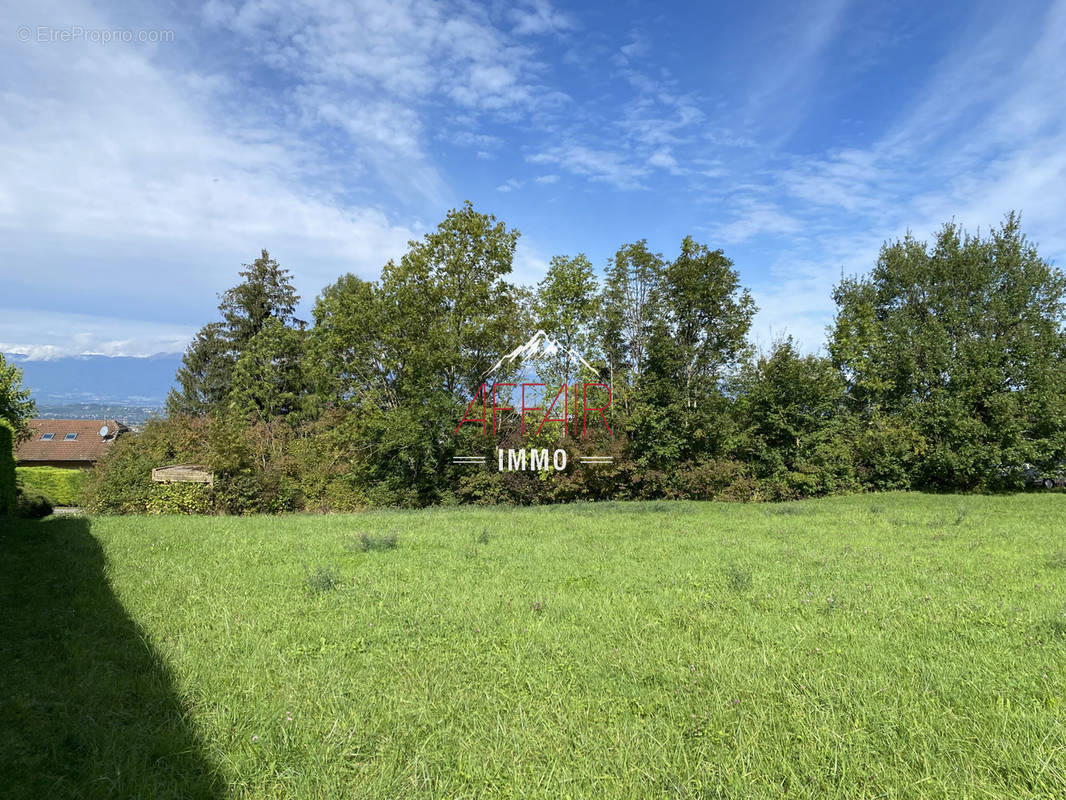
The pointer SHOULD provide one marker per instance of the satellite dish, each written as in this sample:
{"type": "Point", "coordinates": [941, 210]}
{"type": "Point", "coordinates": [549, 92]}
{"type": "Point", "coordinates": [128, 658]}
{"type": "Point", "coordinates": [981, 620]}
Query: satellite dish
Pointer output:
{"type": "Point", "coordinates": [103, 431]}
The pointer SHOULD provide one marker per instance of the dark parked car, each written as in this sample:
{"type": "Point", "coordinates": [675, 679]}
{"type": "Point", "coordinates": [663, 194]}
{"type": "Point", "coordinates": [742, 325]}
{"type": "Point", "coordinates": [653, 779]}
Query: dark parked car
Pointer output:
{"type": "Point", "coordinates": [1048, 478]}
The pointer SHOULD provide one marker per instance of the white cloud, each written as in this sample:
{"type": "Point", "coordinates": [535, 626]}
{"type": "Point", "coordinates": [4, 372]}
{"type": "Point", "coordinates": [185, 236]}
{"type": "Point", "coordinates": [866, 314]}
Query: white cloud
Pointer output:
{"type": "Point", "coordinates": [529, 267]}
{"type": "Point", "coordinates": [753, 217]}
{"type": "Point", "coordinates": [467, 138]}
{"type": "Point", "coordinates": [315, 128]}
{"type": "Point", "coordinates": [987, 134]}
{"type": "Point", "coordinates": [56, 335]}
{"type": "Point", "coordinates": [413, 50]}
{"type": "Point", "coordinates": [124, 182]}
{"type": "Point", "coordinates": [658, 124]}
{"type": "Point", "coordinates": [636, 47]}
{"type": "Point", "coordinates": [599, 165]}
{"type": "Point", "coordinates": [781, 84]}
{"type": "Point", "coordinates": [540, 17]}
{"type": "Point", "coordinates": [664, 159]}
{"type": "Point", "coordinates": [379, 72]}
{"type": "Point", "coordinates": [383, 124]}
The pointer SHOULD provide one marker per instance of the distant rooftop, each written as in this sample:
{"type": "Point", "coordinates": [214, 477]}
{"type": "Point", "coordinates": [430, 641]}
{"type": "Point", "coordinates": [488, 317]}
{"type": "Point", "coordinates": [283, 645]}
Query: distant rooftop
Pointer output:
{"type": "Point", "coordinates": [68, 440]}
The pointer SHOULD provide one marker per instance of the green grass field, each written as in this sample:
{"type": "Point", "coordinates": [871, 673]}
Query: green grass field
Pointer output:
{"type": "Point", "coordinates": [889, 646]}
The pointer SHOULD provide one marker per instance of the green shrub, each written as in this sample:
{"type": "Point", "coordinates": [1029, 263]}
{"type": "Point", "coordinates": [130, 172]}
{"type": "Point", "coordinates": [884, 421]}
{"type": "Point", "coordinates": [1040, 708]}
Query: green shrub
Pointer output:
{"type": "Point", "coordinates": [256, 492]}
{"type": "Point", "coordinates": [321, 579]}
{"type": "Point", "coordinates": [121, 481]}
{"type": "Point", "coordinates": [738, 577]}
{"type": "Point", "coordinates": [484, 488]}
{"type": "Point", "coordinates": [889, 452]}
{"type": "Point", "coordinates": [344, 494]}
{"type": "Point", "coordinates": [366, 541]}
{"type": "Point", "coordinates": [180, 498]}
{"type": "Point", "coordinates": [33, 506]}
{"type": "Point", "coordinates": [706, 479]}
{"type": "Point", "coordinates": [237, 493]}
{"type": "Point", "coordinates": [62, 487]}
{"type": "Point", "coordinates": [8, 483]}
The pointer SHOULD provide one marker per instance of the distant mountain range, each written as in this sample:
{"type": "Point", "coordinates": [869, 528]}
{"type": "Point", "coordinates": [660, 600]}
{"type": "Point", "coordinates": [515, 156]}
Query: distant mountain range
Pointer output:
{"type": "Point", "coordinates": [141, 383]}
{"type": "Point", "coordinates": [90, 387]}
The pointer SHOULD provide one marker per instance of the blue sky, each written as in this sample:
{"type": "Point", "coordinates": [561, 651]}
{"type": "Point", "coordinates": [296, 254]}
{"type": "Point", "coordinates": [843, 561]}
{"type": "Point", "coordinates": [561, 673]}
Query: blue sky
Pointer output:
{"type": "Point", "coordinates": [137, 177]}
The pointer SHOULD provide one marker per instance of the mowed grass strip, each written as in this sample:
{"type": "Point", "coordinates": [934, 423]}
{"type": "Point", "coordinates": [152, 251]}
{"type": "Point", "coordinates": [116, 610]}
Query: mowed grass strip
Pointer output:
{"type": "Point", "coordinates": [873, 646]}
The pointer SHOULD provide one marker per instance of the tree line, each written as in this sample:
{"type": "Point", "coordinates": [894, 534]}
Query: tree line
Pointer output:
{"type": "Point", "coordinates": [943, 370]}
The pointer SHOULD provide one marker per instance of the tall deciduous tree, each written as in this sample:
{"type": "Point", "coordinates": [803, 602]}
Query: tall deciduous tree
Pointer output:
{"type": "Point", "coordinates": [791, 419]}
{"type": "Point", "coordinates": [710, 315]}
{"type": "Point", "coordinates": [411, 350]}
{"type": "Point", "coordinates": [630, 304]}
{"type": "Point", "coordinates": [565, 307]}
{"type": "Point", "coordinates": [965, 343]}
{"type": "Point", "coordinates": [463, 265]}
{"type": "Point", "coordinates": [355, 362]}
{"type": "Point", "coordinates": [16, 401]}
{"type": "Point", "coordinates": [694, 341]}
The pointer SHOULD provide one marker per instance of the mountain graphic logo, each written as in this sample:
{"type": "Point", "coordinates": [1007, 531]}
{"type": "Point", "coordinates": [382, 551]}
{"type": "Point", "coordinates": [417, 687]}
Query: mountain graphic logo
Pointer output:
{"type": "Point", "coordinates": [571, 406]}
{"type": "Point", "coordinates": [539, 346]}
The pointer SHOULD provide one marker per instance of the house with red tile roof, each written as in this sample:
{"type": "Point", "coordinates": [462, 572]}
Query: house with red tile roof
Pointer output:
{"type": "Point", "coordinates": [67, 442]}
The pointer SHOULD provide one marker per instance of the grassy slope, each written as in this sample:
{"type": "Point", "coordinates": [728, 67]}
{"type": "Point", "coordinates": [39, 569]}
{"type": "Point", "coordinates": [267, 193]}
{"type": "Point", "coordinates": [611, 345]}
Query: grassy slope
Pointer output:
{"type": "Point", "coordinates": [879, 646]}
{"type": "Point", "coordinates": [89, 708]}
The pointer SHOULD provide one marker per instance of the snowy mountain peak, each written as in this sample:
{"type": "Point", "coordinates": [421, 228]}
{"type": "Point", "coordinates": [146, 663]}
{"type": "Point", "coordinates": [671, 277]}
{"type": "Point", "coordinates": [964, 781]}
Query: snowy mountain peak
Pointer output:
{"type": "Point", "coordinates": [539, 345]}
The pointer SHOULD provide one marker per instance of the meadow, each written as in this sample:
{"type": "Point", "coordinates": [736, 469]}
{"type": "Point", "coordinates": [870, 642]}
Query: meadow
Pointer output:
{"type": "Point", "coordinates": [889, 646]}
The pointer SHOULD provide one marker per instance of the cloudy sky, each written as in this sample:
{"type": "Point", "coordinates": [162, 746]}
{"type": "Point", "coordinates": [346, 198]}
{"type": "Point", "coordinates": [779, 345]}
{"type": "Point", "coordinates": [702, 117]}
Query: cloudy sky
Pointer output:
{"type": "Point", "coordinates": [137, 176]}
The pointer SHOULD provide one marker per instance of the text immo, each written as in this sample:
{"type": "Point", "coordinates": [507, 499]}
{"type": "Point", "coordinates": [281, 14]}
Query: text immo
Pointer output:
{"type": "Point", "coordinates": [532, 459]}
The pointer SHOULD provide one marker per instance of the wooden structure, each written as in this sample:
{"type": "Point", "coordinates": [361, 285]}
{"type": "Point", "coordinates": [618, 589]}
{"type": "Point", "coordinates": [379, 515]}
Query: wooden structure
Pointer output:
{"type": "Point", "coordinates": [183, 473]}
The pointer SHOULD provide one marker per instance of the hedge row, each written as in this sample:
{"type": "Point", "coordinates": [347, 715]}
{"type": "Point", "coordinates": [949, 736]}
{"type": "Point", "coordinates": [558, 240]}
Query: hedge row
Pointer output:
{"type": "Point", "coordinates": [62, 487]}
{"type": "Point", "coordinates": [8, 484]}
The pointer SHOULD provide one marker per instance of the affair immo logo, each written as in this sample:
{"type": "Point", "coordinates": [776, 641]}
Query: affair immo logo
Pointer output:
{"type": "Point", "coordinates": [533, 406]}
